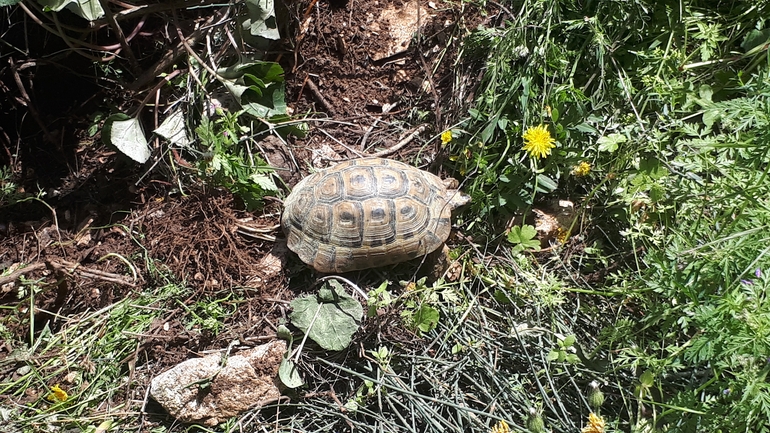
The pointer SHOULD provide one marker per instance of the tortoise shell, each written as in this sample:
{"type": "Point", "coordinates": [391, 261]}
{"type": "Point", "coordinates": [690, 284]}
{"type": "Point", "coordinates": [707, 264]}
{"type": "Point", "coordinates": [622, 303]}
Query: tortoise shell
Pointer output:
{"type": "Point", "coordinates": [365, 213]}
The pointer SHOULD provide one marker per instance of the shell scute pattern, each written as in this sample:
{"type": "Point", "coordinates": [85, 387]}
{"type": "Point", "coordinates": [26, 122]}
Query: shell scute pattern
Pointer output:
{"type": "Point", "coordinates": [366, 213]}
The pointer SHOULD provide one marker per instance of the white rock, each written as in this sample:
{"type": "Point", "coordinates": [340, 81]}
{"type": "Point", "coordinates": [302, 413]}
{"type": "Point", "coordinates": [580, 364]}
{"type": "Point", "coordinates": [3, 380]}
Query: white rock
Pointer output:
{"type": "Point", "coordinates": [201, 390]}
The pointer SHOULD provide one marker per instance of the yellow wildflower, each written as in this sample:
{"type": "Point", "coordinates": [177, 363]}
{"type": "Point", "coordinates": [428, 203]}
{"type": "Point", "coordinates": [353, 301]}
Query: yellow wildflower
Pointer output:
{"type": "Point", "coordinates": [446, 137]}
{"type": "Point", "coordinates": [57, 394]}
{"type": "Point", "coordinates": [501, 427]}
{"type": "Point", "coordinates": [581, 169]}
{"type": "Point", "coordinates": [538, 141]}
{"type": "Point", "coordinates": [595, 424]}
{"type": "Point", "coordinates": [562, 235]}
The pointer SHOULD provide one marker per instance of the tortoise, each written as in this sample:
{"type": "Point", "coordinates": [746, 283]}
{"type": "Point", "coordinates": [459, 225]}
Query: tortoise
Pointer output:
{"type": "Point", "coordinates": [368, 212]}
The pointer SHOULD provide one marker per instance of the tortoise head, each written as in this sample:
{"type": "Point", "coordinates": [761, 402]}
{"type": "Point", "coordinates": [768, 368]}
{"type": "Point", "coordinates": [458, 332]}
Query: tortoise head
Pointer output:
{"type": "Point", "coordinates": [453, 196]}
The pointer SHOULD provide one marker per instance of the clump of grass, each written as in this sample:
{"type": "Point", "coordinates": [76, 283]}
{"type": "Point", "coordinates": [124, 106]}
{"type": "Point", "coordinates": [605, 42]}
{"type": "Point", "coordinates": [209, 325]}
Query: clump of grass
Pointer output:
{"type": "Point", "coordinates": [76, 377]}
{"type": "Point", "coordinates": [669, 112]}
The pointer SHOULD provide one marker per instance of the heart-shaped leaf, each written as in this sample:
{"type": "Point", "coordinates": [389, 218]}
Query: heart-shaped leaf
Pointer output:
{"type": "Point", "coordinates": [330, 318]}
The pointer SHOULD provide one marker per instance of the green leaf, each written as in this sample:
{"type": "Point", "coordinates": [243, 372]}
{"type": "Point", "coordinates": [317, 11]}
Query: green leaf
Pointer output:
{"type": "Point", "coordinates": [267, 103]}
{"type": "Point", "coordinates": [501, 297]}
{"type": "Point", "coordinates": [264, 181]}
{"type": "Point", "coordinates": [329, 318]}
{"type": "Point", "coordinates": [568, 341]}
{"type": "Point", "coordinates": [289, 374]}
{"type": "Point", "coordinates": [426, 318]}
{"type": "Point", "coordinates": [647, 379]}
{"type": "Point", "coordinates": [524, 237]}
{"type": "Point", "coordinates": [88, 9]}
{"type": "Point", "coordinates": [755, 38]}
{"type": "Point", "coordinates": [127, 135]}
{"type": "Point", "coordinates": [8, 2]}
{"type": "Point", "coordinates": [572, 358]}
{"type": "Point", "coordinates": [487, 132]}
{"type": "Point", "coordinates": [260, 20]}
{"type": "Point", "coordinates": [173, 129]}
{"type": "Point", "coordinates": [553, 355]}
{"type": "Point", "coordinates": [710, 117]}
{"type": "Point", "coordinates": [258, 87]}
{"type": "Point", "coordinates": [657, 193]}
{"type": "Point", "coordinates": [705, 92]}
{"type": "Point", "coordinates": [610, 143]}
{"type": "Point", "coordinates": [555, 114]}
{"type": "Point", "coordinates": [284, 333]}
{"type": "Point", "coordinates": [545, 184]}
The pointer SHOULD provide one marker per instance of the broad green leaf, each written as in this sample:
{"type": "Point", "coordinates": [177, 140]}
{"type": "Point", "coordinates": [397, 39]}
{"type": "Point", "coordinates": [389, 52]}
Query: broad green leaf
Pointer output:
{"type": "Point", "coordinates": [260, 20]}
{"type": "Point", "coordinates": [258, 87]}
{"type": "Point", "coordinates": [647, 379]}
{"type": "Point", "coordinates": [545, 184]}
{"type": "Point", "coordinates": [653, 168]}
{"type": "Point", "coordinates": [568, 341]}
{"type": "Point", "coordinates": [524, 236]}
{"type": "Point", "coordinates": [705, 92]}
{"type": "Point", "coordinates": [553, 355]}
{"type": "Point", "coordinates": [173, 129]}
{"type": "Point", "coordinates": [610, 143]}
{"type": "Point", "coordinates": [289, 374]}
{"type": "Point", "coordinates": [267, 103]}
{"type": "Point", "coordinates": [88, 9]}
{"type": "Point", "coordinates": [586, 128]}
{"type": "Point", "coordinates": [425, 318]}
{"type": "Point", "coordinates": [755, 38]}
{"type": "Point", "coordinates": [127, 135]}
{"type": "Point", "coordinates": [330, 318]}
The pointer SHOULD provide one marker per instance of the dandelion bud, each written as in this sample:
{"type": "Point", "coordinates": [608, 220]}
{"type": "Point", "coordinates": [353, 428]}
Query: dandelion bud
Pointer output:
{"type": "Point", "coordinates": [535, 422]}
{"type": "Point", "coordinates": [595, 396]}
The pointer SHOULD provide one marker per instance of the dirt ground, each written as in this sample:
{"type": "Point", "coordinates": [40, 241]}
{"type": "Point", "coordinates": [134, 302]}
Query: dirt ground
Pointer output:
{"type": "Point", "coordinates": [353, 67]}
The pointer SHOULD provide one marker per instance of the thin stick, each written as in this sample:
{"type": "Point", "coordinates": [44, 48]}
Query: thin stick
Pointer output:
{"type": "Point", "coordinates": [319, 97]}
{"type": "Point", "coordinates": [401, 144]}
{"type": "Point", "coordinates": [173, 54]}
{"type": "Point", "coordinates": [121, 37]}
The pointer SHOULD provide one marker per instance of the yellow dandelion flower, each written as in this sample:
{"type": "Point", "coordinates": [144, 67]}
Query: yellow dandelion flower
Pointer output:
{"type": "Point", "coordinates": [501, 427]}
{"type": "Point", "coordinates": [595, 424]}
{"type": "Point", "coordinates": [446, 137]}
{"type": "Point", "coordinates": [57, 394]}
{"type": "Point", "coordinates": [562, 235]}
{"type": "Point", "coordinates": [538, 141]}
{"type": "Point", "coordinates": [581, 169]}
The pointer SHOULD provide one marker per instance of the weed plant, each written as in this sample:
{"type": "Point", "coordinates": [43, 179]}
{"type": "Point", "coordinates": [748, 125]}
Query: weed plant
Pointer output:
{"type": "Point", "coordinates": [667, 104]}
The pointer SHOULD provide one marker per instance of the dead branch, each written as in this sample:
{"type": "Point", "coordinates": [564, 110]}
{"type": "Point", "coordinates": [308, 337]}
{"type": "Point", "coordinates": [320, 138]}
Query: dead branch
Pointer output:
{"type": "Point", "coordinates": [71, 269]}
{"type": "Point", "coordinates": [13, 276]}
{"type": "Point", "coordinates": [401, 144]}
{"type": "Point", "coordinates": [319, 96]}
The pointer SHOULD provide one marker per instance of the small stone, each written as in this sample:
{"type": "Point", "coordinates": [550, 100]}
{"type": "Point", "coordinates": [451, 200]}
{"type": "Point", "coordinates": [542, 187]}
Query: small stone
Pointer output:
{"type": "Point", "coordinates": [202, 390]}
